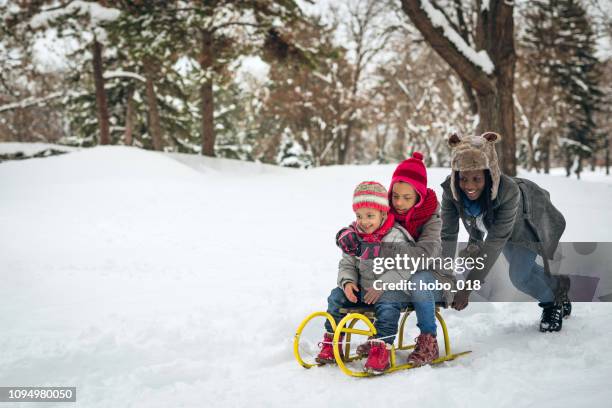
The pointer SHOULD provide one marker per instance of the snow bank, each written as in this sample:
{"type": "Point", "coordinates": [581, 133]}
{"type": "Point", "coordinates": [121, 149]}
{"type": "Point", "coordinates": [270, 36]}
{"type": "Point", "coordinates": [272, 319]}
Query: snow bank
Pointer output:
{"type": "Point", "coordinates": [153, 280]}
{"type": "Point", "coordinates": [30, 149]}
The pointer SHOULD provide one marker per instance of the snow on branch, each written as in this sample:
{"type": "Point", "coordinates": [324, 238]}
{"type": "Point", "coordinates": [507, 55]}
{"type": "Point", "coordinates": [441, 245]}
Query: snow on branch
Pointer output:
{"type": "Point", "coordinates": [478, 58]}
{"type": "Point", "coordinates": [24, 103]}
{"type": "Point", "coordinates": [97, 14]}
{"type": "Point", "coordinates": [124, 74]}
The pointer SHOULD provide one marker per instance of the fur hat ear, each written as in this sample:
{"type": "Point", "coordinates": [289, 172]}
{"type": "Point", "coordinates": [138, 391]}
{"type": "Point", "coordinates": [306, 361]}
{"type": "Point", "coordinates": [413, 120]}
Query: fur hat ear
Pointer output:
{"type": "Point", "coordinates": [491, 137]}
{"type": "Point", "coordinates": [454, 140]}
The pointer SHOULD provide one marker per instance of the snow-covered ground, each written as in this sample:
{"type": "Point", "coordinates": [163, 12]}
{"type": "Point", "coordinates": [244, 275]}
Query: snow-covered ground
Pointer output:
{"type": "Point", "coordinates": [154, 280]}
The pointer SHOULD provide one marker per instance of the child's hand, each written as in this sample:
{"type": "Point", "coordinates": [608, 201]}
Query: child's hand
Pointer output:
{"type": "Point", "coordinates": [349, 291]}
{"type": "Point", "coordinates": [372, 295]}
{"type": "Point", "coordinates": [348, 241]}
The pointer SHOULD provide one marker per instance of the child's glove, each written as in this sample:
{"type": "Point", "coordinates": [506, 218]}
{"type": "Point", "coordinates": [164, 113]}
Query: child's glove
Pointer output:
{"type": "Point", "coordinates": [349, 242]}
{"type": "Point", "coordinates": [369, 250]}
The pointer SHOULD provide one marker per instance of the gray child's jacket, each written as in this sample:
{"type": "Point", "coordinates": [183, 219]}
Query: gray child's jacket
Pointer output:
{"type": "Point", "coordinates": [398, 241]}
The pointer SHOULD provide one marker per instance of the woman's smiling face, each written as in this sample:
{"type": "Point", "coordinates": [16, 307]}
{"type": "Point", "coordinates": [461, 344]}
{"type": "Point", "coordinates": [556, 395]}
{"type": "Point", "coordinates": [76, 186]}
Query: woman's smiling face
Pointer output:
{"type": "Point", "coordinates": [472, 183]}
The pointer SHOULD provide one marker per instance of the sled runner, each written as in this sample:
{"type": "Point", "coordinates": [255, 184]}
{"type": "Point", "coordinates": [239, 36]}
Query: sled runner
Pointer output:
{"type": "Point", "coordinates": [346, 327]}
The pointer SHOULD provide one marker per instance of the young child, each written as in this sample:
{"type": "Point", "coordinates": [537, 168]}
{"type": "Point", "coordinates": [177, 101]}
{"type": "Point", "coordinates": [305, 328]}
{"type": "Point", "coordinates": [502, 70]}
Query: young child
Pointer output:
{"type": "Point", "coordinates": [416, 212]}
{"type": "Point", "coordinates": [374, 224]}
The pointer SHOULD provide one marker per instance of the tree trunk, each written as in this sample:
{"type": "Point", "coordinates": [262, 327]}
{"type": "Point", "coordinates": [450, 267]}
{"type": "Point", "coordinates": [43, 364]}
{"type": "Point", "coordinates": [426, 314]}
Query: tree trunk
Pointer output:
{"type": "Point", "coordinates": [546, 157]}
{"type": "Point", "coordinates": [608, 156]}
{"type": "Point", "coordinates": [505, 87]}
{"type": "Point", "coordinates": [129, 119]}
{"type": "Point", "coordinates": [153, 112]}
{"type": "Point", "coordinates": [345, 142]}
{"type": "Point", "coordinates": [495, 34]}
{"type": "Point", "coordinates": [206, 95]}
{"type": "Point", "coordinates": [101, 104]}
{"type": "Point", "coordinates": [494, 92]}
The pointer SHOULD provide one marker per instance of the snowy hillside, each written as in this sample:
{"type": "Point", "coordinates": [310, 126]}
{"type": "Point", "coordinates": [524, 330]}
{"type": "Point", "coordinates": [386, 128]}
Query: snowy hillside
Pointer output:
{"type": "Point", "coordinates": [153, 280]}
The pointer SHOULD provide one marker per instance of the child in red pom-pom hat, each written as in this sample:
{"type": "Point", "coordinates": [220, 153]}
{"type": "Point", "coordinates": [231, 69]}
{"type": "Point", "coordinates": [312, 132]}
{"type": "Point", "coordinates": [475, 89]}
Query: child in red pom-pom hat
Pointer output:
{"type": "Point", "coordinates": [416, 211]}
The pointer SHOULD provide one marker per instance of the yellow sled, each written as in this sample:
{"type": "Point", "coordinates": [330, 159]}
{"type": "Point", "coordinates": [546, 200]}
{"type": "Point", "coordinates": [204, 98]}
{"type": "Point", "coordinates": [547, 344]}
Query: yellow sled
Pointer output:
{"type": "Point", "coordinates": [346, 326]}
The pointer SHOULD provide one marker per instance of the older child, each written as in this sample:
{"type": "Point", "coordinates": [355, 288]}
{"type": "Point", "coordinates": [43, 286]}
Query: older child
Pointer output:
{"type": "Point", "coordinates": [416, 211]}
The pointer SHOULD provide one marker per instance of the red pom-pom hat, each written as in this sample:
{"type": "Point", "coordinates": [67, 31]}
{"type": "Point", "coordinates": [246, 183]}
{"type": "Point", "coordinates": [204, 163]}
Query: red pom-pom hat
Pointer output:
{"type": "Point", "coordinates": [412, 171]}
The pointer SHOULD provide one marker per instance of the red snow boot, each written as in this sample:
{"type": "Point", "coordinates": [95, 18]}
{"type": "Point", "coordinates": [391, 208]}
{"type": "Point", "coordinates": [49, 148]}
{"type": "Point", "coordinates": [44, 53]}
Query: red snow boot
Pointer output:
{"type": "Point", "coordinates": [426, 350]}
{"type": "Point", "coordinates": [378, 357]}
{"type": "Point", "coordinates": [326, 355]}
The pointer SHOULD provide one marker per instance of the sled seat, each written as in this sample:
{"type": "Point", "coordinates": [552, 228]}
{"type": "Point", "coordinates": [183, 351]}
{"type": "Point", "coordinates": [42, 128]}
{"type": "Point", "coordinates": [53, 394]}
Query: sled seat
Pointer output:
{"type": "Point", "coordinates": [368, 311]}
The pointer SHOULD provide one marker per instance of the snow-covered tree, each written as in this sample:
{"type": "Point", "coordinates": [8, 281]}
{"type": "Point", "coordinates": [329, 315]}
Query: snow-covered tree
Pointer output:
{"type": "Point", "coordinates": [482, 55]}
{"type": "Point", "coordinates": [421, 101]}
{"type": "Point", "coordinates": [312, 102]}
{"type": "Point", "coordinates": [560, 45]}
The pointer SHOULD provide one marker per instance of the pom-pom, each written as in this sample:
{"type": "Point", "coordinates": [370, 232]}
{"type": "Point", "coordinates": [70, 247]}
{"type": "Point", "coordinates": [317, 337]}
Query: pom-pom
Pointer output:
{"type": "Point", "coordinates": [417, 155]}
{"type": "Point", "coordinates": [454, 140]}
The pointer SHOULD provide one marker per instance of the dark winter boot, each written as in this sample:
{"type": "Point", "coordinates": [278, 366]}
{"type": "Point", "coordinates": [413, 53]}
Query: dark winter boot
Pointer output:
{"type": "Point", "coordinates": [552, 317]}
{"type": "Point", "coordinates": [326, 355]}
{"type": "Point", "coordinates": [562, 295]}
{"type": "Point", "coordinates": [567, 309]}
{"type": "Point", "coordinates": [425, 351]}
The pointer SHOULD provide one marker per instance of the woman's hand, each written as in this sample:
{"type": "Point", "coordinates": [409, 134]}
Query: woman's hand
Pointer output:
{"type": "Point", "coordinates": [349, 291]}
{"type": "Point", "coordinates": [461, 299]}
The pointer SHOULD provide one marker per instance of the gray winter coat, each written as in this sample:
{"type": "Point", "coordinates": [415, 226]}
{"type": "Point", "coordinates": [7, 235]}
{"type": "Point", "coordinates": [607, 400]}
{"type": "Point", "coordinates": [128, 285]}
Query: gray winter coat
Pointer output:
{"type": "Point", "coordinates": [399, 241]}
{"type": "Point", "coordinates": [522, 214]}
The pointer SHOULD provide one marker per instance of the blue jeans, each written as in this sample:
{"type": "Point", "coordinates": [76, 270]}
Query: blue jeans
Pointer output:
{"type": "Point", "coordinates": [527, 276]}
{"type": "Point", "coordinates": [424, 302]}
{"type": "Point", "coordinates": [388, 312]}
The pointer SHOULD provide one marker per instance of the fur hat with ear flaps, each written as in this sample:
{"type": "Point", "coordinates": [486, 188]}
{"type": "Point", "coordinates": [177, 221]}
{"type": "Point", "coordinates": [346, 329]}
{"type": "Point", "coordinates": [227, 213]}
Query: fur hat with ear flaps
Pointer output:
{"type": "Point", "coordinates": [474, 153]}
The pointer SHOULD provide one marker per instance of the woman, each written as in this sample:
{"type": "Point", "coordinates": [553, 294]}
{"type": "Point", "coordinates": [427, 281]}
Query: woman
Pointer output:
{"type": "Point", "coordinates": [503, 214]}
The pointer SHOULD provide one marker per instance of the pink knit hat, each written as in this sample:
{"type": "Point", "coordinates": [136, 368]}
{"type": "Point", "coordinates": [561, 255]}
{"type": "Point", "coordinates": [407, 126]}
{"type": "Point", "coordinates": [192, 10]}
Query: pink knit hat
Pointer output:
{"type": "Point", "coordinates": [370, 194]}
{"type": "Point", "coordinates": [412, 171]}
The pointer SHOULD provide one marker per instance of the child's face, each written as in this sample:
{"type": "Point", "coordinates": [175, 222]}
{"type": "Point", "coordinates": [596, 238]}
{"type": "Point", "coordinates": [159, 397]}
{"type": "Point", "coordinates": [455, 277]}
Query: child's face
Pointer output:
{"type": "Point", "coordinates": [472, 183]}
{"type": "Point", "coordinates": [369, 219]}
{"type": "Point", "coordinates": [403, 197]}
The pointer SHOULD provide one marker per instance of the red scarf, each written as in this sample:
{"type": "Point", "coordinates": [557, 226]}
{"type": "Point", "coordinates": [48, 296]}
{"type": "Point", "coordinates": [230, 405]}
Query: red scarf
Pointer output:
{"type": "Point", "coordinates": [418, 215]}
{"type": "Point", "coordinates": [377, 235]}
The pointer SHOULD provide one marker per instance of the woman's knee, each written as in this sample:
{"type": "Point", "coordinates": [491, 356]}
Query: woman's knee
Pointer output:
{"type": "Point", "coordinates": [519, 276]}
